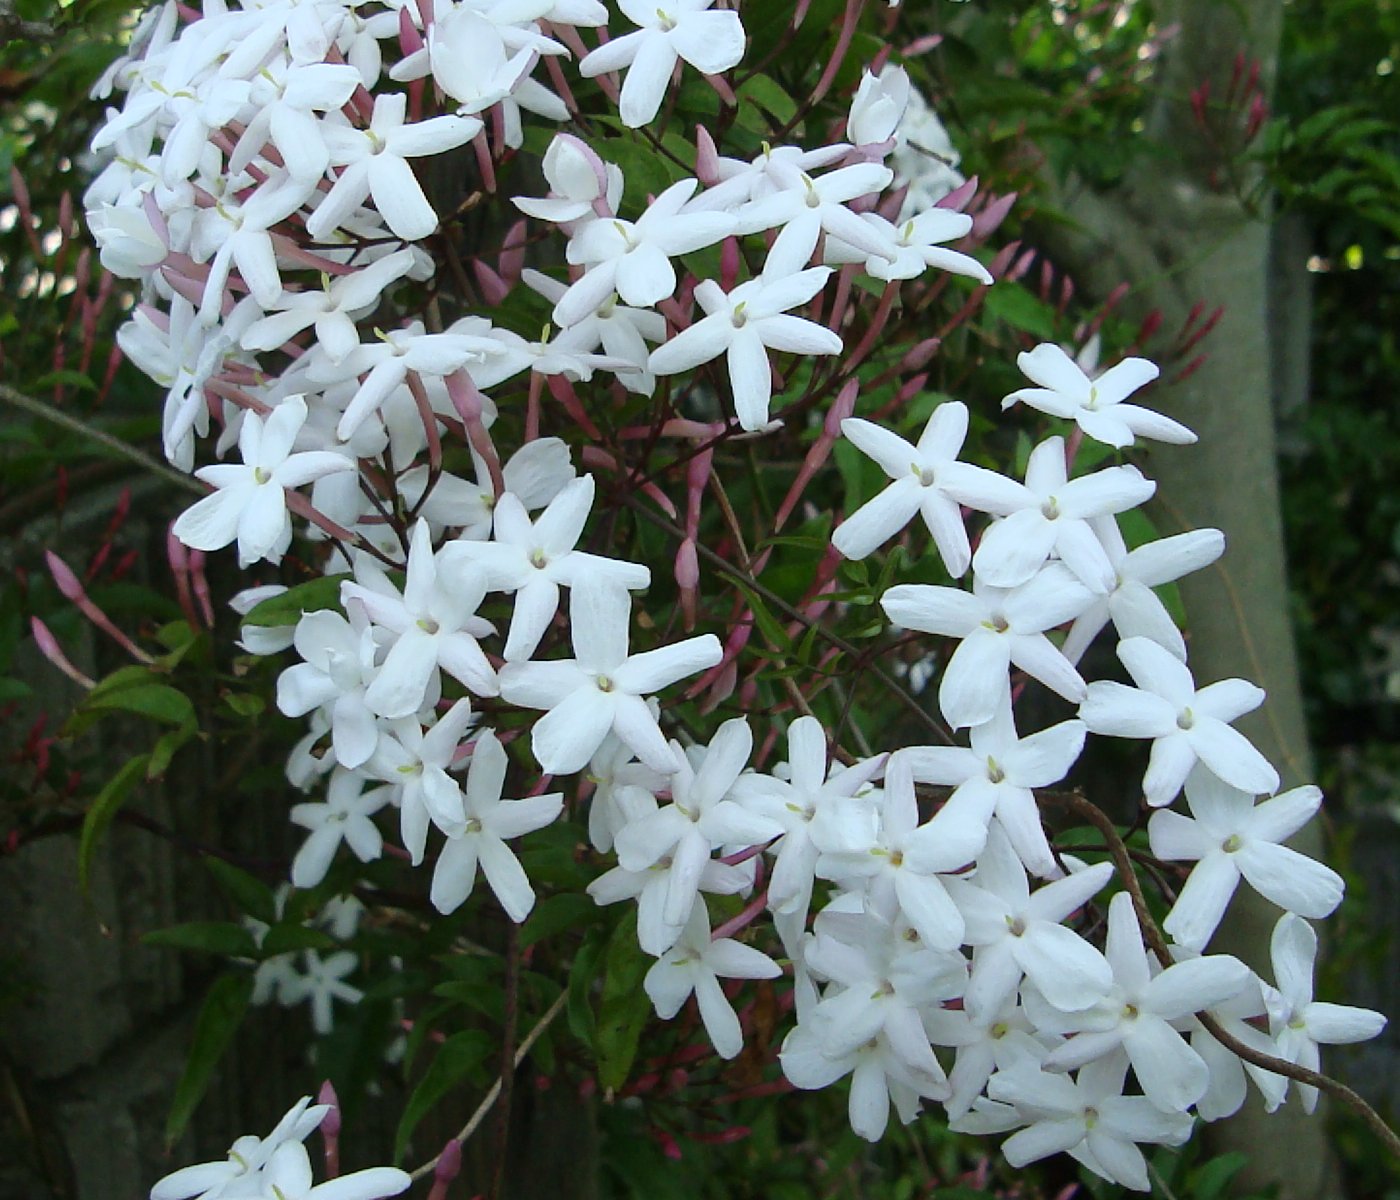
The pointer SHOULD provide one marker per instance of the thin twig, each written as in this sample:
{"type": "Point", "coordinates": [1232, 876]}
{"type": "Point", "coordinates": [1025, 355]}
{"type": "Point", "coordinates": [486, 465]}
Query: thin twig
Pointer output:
{"type": "Point", "coordinates": [1122, 859]}
{"type": "Point", "coordinates": [493, 1095]}
{"type": "Point", "coordinates": [58, 417]}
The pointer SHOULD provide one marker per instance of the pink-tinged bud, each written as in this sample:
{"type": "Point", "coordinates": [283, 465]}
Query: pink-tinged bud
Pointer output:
{"type": "Point", "coordinates": [891, 203]}
{"type": "Point", "coordinates": [1191, 368]}
{"type": "Point", "coordinates": [410, 40]}
{"type": "Point", "coordinates": [330, 1123]}
{"type": "Point", "coordinates": [669, 1146]}
{"type": "Point", "coordinates": [563, 391]}
{"type": "Point", "coordinates": [920, 355]}
{"type": "Point", "coordinates": [722, 688]}
{"type": "Point", "coordinates": [687, 579]}
{"type": "Point", "coordinates": [799, 14]}
{"type": "Point", "coordinates": [63, 576]}
{"type": "Point", "coordinates": [842, 407]}
{"type": "Point", "coordinates": [729, 263]}
{"type": "Point", "coordinates": [959, 197]}
{"type": "Point", "coordinates": [465, 397]}
{"type": "Point", "coordinates": [50, 649]}
{"type": "Point", "coordinates": [1022, 265]}
{"type": "Point", "coordinates": [1003, 258]}
{"type": "Point", "coordinates": [922, 45]}
{"type": "Point", "coordinates": [687, 565]}
{"type": "Point", "coordinates": [512, 259]}
{"type": "Point", "coordinates": [985, 223]}
{"type": "Point", "coordinates": [1236, 74]}
{"type": "Point", "coordinates": [912, 387]}
{"type": "Point", "coordinates": [494, 289]}
{"type": "Point", "coordinates": [1150, 324]}
{"type": "Point", "coordinates": [449, 1164]}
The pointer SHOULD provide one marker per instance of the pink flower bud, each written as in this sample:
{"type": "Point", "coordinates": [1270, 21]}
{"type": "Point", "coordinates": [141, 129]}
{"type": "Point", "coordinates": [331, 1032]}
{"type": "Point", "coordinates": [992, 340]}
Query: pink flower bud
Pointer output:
{"type": "Point", "coordinates": [985, 223]}
{"type": "Point", "coordinates": [919, 356]}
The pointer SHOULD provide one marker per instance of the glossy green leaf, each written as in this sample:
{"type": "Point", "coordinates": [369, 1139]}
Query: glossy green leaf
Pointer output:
{"type": "Point", "coordinates": [460, 1054]}
{"type": "Point", "coordinates": [103, 809]}
{"type": "Point", "coordinates": [219, 1019]}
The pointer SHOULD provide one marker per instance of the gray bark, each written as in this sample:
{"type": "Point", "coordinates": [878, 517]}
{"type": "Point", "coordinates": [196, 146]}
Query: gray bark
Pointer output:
{"type": "Point", "coordinates": [1179, 238]}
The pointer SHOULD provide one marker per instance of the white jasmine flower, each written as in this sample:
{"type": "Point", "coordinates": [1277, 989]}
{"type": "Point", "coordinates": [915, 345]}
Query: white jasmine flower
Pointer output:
{"type": "Point", "coordinates": [344, 817]}
{"type": "Point", "coordinates": [1185, 725]}
{"type": "Point", "coordinates": [1053, 518]}
{"type": "Point", "coordinates": [1133, 607]}
{"type": "Point", "coordinates": [1064, 390]}
{"type": "Point", "coordinates": [1229, 836]}
{"type": "Point", "coordinates": [1088, 1118]}
{"type": "Point", "coordinates": [695, 964]}
{"type": "Point", "coordinates": [434, 622]}
{"type": "Point", "coordinates": [928, 480]}
{"type": "Point", "coordinates": [999, 627]}
{"type": "Point", "coordinates": [603, 688]}
{"type": "Point", "coordinates": [249, 504]}
{"type": "Point", "coordinates": [375, 164]}
{"type": "Point", "coordinates": [1018, 932]}
{"type": "Point", "coordinates": [1299, 1023]}
{"type": "Point", "coordinates": [744, 325]}
{"type": "Point", "coordinates": [1137, 1011]}
{"type": "Point", "coordinates": [1005, 769]}
{"type": "Point", "coordinates": [671, 31]}
{"type": "Point", "coordinates": [480, 839]}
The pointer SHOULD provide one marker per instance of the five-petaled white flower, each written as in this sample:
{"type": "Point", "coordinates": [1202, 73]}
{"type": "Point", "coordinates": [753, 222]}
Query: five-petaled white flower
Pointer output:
{"type": "Point", "coordinates": [250, 503]}
{"type": "Point", "coordinates": [488, 821]}
{"type": "Point", "coordinates": [1187, 726]}
{"type": "Point", "coordinates": [671, 31]}
{"type": "Point", "coordinates": [603, 688]}
{"type": "Point", "coordinates": [1231, 836]}
{"type": "Point", "coordinates": [744, 325]}
{"type": "Point", "coordinates": [1096, 405]}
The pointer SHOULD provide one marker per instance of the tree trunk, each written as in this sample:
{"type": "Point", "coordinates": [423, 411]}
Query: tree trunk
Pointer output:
{"type": "Point", "coordinates": [1180, 239]}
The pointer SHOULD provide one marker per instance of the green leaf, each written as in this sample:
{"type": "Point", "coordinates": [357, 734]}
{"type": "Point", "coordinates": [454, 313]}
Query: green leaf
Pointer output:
{"type": "Point", "coordinates": [219, 1018]}
{"type": "Point", "coordinates": [245, 704]}
{"type": "Point", "coordinates": [251, 895]}
{"type": "Point", "coordinates": [166, 746]}
{"type": "Point", "coordinates": [208, 937]}
{"type": "Point", "coordinates": [286, 609]}
{"type": "Point", "coordinates": [160, 702]}
{"type": "Point", "coordinates": [624, 1006]}
{"type": "Point", "coordinates": [461, 1053]}
{"type": "Point", "coordinates": [75, 379]}
{"type": "Point", "coordinates": [1021, 310]}
{"type": "Point", "coordinates": [554, 914]}
{"type": "Point", "coordinates": [103, 808]}
{"type": "Point", "coordinates": [1214, 1176]}
{"type": "Point", "coordinates": [582, 973]}
{"type": "Point", "coordinates": [763, 92]}
{"type": "Point", "coordinates": [767, 623]}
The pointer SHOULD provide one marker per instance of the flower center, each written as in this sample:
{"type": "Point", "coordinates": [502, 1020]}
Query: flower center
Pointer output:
{"type": "Point", "coordinates": [604, 683]}
{"type": "Point", "coordinates": [261, 475]}
{"type": "Point", "coordinates": [925, 475]}
{"type": "Point", "coordinates": [1050, 510]}
{"type": "Point", "coordinates": [428, 625]}
{"type": "Point", "coordinates": [1016, 925]}
{"type": "Point", "coordinates": [539, 559]}
{"type": "Point", "coordinates": [1232, 843]}
{"type": "Point", "coordinates": [740, 317]}
{"type": "Point", "coordinates": [994, 772]}
{"type": "Point", "coordinates": [1185, 719]}
{"type": "Point", "coordinates": [665, 20]}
